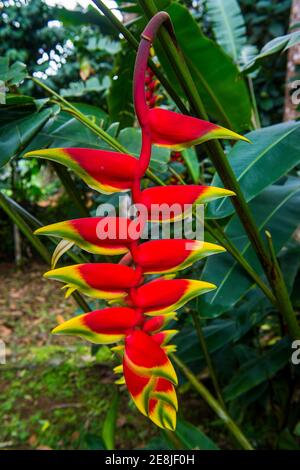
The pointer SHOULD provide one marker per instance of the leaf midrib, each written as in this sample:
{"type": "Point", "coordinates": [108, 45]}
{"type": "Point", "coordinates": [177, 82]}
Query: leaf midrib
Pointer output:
{"type": "Point", "coordinates": [292, 193]}
{"type": "Point", "coordinates": [260, 155]}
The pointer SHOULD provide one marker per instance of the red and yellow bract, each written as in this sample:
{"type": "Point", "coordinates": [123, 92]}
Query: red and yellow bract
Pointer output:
{"type": "Point", "coordinates": [145, 308]}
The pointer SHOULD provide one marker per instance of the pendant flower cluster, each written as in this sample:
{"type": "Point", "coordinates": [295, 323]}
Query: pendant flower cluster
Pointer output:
{"type": "Point", "coordinates": [141, 308]}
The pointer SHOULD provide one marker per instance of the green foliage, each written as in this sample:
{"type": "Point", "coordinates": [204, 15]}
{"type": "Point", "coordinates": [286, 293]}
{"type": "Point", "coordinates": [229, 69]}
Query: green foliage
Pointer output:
{"type": "Point", "coordinates": [120, 94]}
{"type": "Point", "coordinates": [228, 25]}
{"type": "Point", "coordinates": [279, 44]}
{"type": "Point", "coordinates": [16, 134]}
{"type": "Point", "coordinates": [11, 74]}
{"type": "Point", "coordinates": [266, 20]}
{"type": "Point", "coordinates": [258, 370]}
{"type": "Point", "coordinates": [273, 152]}
{"type": "Point", "coordinates": [110, 423]}
{"type": "Point", "coordinates": [276, 209]}
{"type": "Point", "coordinates": [244, 336]}
{"type": "Point", "coordinates": [192, 437]}
{"type": "Point", "coordinates": [227, 100]}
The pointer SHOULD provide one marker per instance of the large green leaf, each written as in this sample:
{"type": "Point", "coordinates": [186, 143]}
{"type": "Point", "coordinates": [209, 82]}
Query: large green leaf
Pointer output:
{"type": "Point", "coordinates": [274, 151]}
{"type": "Point", "coordinates": [228, 25]}
{"type": "Point", "coordinates": [15, 135]}
{"type": "Point", "coordinates": [277, 209]}
{"type": "Point", "coordinates": [257, 371]}
{"type": "Point", "coordinates": [16, 107]}
{"type": "Point", "coordinates": [221, 87]}
{"type": "Point", "coordinates": [192, 437]}
{"type": "Point", "coordinates": [220, 333]}
{"type": "Point", "coordinates": [120, 102]}
{"type": "Point", "coordinates": [12, 74]}
{"type": "Point", "coordinates": [191, 160]}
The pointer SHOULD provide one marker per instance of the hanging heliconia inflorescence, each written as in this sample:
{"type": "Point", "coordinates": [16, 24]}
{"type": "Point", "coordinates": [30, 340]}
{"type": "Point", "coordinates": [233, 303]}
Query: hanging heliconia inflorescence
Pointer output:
{"type": "Point", "coordinates": [141, 309]}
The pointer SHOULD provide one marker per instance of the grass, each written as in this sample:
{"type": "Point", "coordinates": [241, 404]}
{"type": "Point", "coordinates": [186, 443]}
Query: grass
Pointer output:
{"type": "Point", "coordinates": [53, 392]}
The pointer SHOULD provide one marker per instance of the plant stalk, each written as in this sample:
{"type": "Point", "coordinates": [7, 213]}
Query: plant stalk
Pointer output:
{"type": "Point", "coordinates": [25, 229]}
{"type": "Point", "coordinates": [208, 359]}
{"type": "Point", "coordinates": [213, 403]}
{"type": "Point", "coordinates": [291, 319]}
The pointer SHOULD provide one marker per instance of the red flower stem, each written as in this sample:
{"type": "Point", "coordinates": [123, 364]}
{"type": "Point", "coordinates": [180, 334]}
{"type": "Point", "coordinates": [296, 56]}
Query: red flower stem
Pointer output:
{"type": "Point", "coordinates": [139, 79]}
{"type": "Point", "coordinates": [145, 150]}
{"type": "Point", "coordinates": [119, 26]}
{"type": "Point", "coordinates": [141, 62]}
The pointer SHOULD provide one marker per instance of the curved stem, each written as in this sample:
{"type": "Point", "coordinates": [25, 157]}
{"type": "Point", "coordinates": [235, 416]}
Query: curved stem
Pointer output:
{"type": "Point", "coordinates": [140, 66]}
{"type": "Point", "coordinates": [145, 154]}
{"type": "Point", "coordinates": [79, 115]}
{"type": "Point", "coordinates": [135, 44]}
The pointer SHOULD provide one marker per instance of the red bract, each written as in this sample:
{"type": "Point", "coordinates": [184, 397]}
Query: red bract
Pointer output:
{"type": "Point", "coordinates": [147, 308]}
{"type": "Point", "coordinates": [99, 235]}
{"type": "Point", "coordinates": [169, 203]}
{"type": "Point", "coordinates": [177, 131]}
{"type": "Point", "coordinates": [164, 296]}
{"type": "Point", "coordinates": [167, 256]}
{"type": "Point", "coordinates": [102, 170]}
{"type": "Point", "coordinates": [102, 326]}
{"type": "Point", "coordinates": [100, 280]}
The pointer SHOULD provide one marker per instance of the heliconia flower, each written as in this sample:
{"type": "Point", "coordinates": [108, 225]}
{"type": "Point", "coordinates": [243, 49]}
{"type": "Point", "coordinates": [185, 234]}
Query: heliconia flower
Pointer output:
{"type": "Point", "coordinates": [153, 395]}
{"type": "Point", "coordinates": [163, 296]}
{"type": "Point", "coordinates": [139, 387]}
{"type": "Point", "coordinates": [100, 280]}
{"type": "Point", "coordinates": [98, 235]}
{"type": "Point", "coordinates": [101, 326]}
{"type": "Point", "coordinates": [163, 337]}
{"type": "Point", "coordinates": [168, 256]}
{"type": "Point", "coordinates": [168, 203]}
{"type": "Point", "coordinates": [145, 357]}
{"type": "Point", "coordinates": [155, 324]}
{"type": "Point", "coordinates": [161, 411]}
{"type": "Point", "coordinates": [177, 131]}
{"type": "Point", "coordinates": [146, 309]}
{"type": "Point", "coordinates": [102, 170]}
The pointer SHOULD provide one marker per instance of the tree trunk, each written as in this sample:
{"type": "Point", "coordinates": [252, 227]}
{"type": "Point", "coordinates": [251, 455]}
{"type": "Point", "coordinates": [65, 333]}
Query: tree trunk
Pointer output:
{"type": "Point", "coordinates": [290, 107]}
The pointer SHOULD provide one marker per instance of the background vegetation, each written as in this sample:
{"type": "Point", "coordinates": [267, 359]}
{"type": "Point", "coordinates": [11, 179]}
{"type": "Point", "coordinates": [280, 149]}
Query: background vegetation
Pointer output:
{"type": "Point", "coordinates": [55, 393]}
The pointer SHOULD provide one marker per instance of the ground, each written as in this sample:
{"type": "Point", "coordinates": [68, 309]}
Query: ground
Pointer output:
{"type": "Point", "coordinates": [53, 392]}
